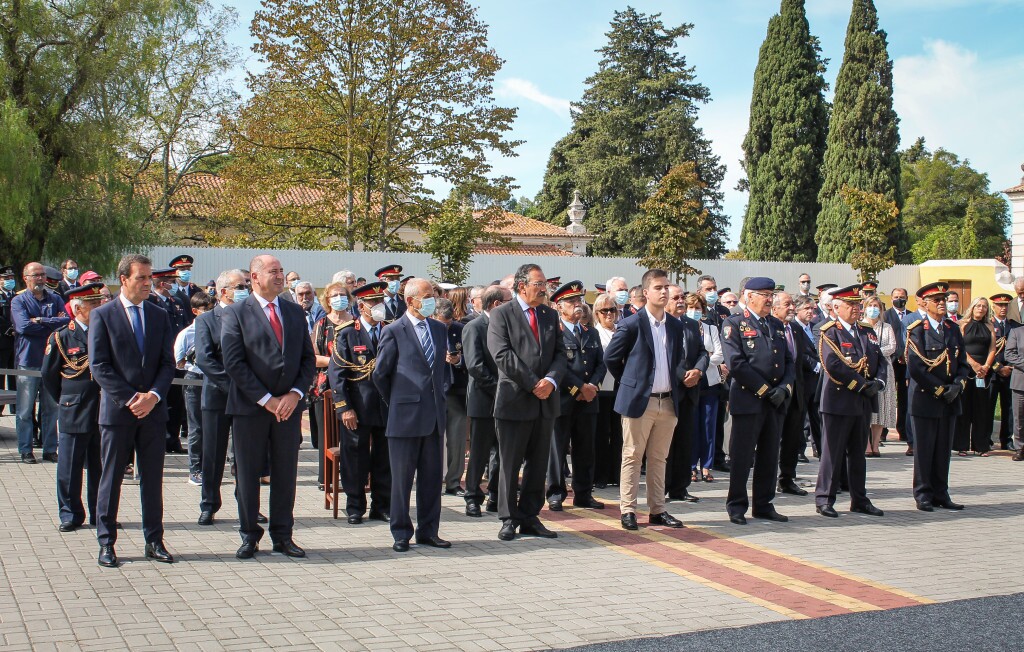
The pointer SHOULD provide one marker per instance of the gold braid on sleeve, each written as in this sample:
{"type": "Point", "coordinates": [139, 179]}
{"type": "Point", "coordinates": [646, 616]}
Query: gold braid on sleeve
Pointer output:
{"type": "Point", "coordinates": [357, 372]}
{"type": "Point", "coordinates": [80, 367]}
{"type": "Point", "coordinates": [860, 367]}
{"type": "Point", "coordinates": [928, 362]}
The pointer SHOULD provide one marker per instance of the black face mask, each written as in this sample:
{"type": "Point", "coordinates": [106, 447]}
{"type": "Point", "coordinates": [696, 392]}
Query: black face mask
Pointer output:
{"type": "Point", "coordinates": [899, 304]}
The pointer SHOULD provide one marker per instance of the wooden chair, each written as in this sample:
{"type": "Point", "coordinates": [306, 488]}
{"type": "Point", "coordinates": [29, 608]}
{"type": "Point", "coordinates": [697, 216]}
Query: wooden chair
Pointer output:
{"type": "Point", "coordinates": [330, 448]}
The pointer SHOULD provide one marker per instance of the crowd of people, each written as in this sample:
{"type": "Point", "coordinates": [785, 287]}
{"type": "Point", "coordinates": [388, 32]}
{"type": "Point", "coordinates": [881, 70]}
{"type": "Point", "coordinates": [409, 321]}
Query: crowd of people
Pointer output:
{"type": "Point", "coordinates": [516, 395]}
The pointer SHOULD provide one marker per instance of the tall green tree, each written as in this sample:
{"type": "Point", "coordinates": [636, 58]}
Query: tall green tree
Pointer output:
{"type": "Point", "coordinates": [785, 145]}
{"type": "Point", "coordinates": [863, 137]}
{"type": "Point", "coordinates": [636, 121]}
{"type": "Point", "coordinates": [872, 218]}
{"type": "Point", "coordinates": [674, 222]}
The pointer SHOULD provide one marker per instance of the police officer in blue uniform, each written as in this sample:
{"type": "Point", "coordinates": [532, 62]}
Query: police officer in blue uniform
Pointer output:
{"type": "Point", "coordinates": [183, 287]}
{"type": "Point", "coordinates": [360, 409]}
{"type": "Point", "coordinates": [763, 373]}
{"type": "Point", "coordinates": [67, 378]}
{"type": "Point", "coordinates": [394, 305]}
{"type": "Point", "coordinates": [576, 425]}
{"type": "Point", "coordinates": [937, 364]}
{"type": "Point", "coordinates": [163, 280]}
{"type": "Point", "coordinates": [852, 363]}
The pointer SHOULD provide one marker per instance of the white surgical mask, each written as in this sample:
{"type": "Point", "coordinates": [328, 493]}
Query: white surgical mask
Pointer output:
{"type": "Point", "coordinates": [952, 306]}
{"type": "Point", "coordinates": [694, 314]}
{"type": "Point", "coordinates": [378, 312]}
{"type": "Point", "coordinates": [621, 297]}
{"type": "Point", "coordinates": [427, 306]}
{"type": "Point", "coordinates": [241, 295]}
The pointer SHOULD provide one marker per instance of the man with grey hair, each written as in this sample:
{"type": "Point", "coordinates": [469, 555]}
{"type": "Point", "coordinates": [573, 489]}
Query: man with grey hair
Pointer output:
{"type": "Point", "coordinates": [1016, 309]}
{"type": "Point", "coordinates": [475, 300]}
{"type": "Point", "coordinates": [457, 427]}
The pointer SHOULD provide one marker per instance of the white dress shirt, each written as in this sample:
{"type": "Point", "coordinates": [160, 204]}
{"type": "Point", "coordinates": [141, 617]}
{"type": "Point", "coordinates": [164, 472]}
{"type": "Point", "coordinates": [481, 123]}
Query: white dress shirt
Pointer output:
{"type": "Point", "coordinates": [266, 311]}
{"type": "Point", "coordinates": [662, 377]}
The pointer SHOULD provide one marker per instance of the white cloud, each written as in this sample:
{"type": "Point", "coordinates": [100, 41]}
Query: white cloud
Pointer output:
{"type": "Point", "coordinates": [964, 104]}
{"type": "Point", "coordinates": [513, 87]}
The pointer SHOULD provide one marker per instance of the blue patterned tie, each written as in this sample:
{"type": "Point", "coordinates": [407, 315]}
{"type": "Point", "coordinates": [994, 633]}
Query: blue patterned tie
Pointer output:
{"type": "Point", "coordinates": [426, 343]}
{"type": "Point", "coordinates": [140, 337]}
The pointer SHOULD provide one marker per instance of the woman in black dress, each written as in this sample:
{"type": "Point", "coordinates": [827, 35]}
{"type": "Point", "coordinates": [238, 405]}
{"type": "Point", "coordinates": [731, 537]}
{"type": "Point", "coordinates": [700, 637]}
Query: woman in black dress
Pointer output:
{"type": "Point", "coordinates": [974, 425]}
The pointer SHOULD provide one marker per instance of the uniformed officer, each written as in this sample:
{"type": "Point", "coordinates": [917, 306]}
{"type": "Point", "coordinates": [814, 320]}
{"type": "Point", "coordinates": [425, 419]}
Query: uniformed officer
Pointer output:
{"type": "Point", "coordinates": [576, 424]}
{"type": "Point", "coordinates": [763, 373]}
{"type": "Point", "coordinates": [855, 373]}
{"type": "Point", "coordinates": [937, 363]}
{"type": "Point", "coordinates": [7, 285]}
{"type": "Point", "coordinates": [161, 295]}
{"type": "Point", "coordinates": [394, 305]}
{"type": "Point", "coordinates": [869, 288]}
{"type": "Point", "coordinates": [360, 409]}
{"type": "Point", "coordinates": [183, 286]}
{"type": "Point", "coordinates": [999, 388]}
{"type": "Point", "coordinates": [67, 378]}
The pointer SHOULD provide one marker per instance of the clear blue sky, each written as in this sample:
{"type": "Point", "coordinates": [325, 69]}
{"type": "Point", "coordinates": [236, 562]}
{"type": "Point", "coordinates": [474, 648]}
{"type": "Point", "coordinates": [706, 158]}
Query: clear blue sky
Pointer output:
{"type": "Point", "coordinates": [959, 72]}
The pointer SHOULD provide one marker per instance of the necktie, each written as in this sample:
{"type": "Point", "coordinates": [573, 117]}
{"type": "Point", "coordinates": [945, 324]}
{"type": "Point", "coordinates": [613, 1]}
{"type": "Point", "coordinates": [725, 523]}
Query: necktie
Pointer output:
{"type": "Point", "coordinates": [426, 343]}
{"type": "Point", "coordinates": [532, 316]}
{"type": "Point", "coordinates": [374, 336]}
{"type": "Point", "coordinates": [140, 337]}
{"type": "Point", "coordinates": [576, 331]}
{"type": "Point", "coordinates": [309, 321]}
{"type": "Point", "coordinates": [275, 324]}
{"type": "Point", "coordinates": [789, 341]}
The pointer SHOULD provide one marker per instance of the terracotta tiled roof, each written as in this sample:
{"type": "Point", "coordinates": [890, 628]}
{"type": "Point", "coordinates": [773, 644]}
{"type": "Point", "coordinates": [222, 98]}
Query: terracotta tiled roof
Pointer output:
{"type": "Point", "coordinates": [537, 250]}
{"type": "Point", "coordinates": [1019, 188]}
{"type": "Point", "coordinates": [518, 225]}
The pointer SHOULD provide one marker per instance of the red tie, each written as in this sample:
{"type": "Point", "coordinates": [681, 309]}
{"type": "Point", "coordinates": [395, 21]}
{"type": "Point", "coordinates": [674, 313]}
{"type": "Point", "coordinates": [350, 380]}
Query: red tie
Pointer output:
{"type": "Point", "coordinates": [533, 323]}
{"type": "Point", "coordinates": [275, 323]}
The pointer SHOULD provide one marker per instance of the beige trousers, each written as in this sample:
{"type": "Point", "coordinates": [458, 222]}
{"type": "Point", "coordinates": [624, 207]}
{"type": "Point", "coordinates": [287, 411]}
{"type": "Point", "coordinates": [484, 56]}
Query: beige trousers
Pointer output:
{"type": "Point", "coordinates": [651, 433]}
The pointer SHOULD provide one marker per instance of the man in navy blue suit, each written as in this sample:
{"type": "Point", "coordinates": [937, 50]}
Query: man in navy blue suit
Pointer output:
{"type": "Point", "coordinates": [269, 358]}
{"type": "Point", "coordinates": [656, 361]}
{"type": "Point", "coordinates": [412, 377]}
{"type": "Point", "coordinates": [130, 357]}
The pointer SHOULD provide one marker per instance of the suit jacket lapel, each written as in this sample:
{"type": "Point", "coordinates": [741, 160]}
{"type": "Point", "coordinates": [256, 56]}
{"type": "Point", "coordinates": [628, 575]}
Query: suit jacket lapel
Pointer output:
{"type": "Point", "coordinates": [645, 328]}
{"type": "Point", "coordinates": [261, 317]}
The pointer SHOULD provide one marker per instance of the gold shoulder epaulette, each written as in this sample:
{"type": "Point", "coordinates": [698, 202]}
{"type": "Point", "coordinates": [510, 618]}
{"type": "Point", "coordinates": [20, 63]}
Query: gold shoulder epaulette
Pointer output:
{"type": "Point", "coordinates": [915, 324]}
{"type": "Point", "coordinates": [827, 326]}
{"type": "Point", "coordinates": [346, 324]}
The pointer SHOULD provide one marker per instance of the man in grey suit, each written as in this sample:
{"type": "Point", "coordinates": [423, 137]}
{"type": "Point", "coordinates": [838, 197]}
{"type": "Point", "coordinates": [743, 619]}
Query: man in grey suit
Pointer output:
{"type": "Point", "coordinates": [526, 344]}
{"type": "Point", "coordinates": [412, 377]}
{"type": "Point", "coordinates": [1013, 353]}
{"type": "Point", "coordinates": [1015, 310]}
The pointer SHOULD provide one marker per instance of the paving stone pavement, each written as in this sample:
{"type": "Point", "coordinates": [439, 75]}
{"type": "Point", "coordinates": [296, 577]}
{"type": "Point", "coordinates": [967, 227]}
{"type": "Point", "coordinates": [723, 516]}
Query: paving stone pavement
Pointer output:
{"type": "Point", "coordinates": [595, 583]}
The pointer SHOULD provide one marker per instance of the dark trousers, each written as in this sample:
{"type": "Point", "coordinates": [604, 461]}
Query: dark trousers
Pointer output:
{"type": "Point", "coordinates": [76, 451]}
{"type": "Point", "coordinates": [754, 443]}
{"type": "Point", "coordinates": [253, 433]}
{"type": "Point", "coordinates": [575, 432]}
{"type": "Point", "coordinates": [931, 458]}
{"type": "Point", "coordinates": [176, 415]}
{"type": "Point", "coordinates": [216, 430]}
{"type": "Point", "coordinates": [723, 411]}
{"type": "Point", "coordinates": [418, 457]}
{"type": "Point", "coordinates": [194, 416]}
{"type": "Point", "coordinates": [364, 456]}
{"type": "Point", "coordinates": [705, 431]}
{"type": "Point", "coordinates": [482, 439]}
{"type": "Point", "coordinates": [814, 424]}
{"type": "Point", "coordinates": [455, 431]}
{"type": "Point", "coordinates": [679, 465]}
{"type": "Point", "coordinates": [844, 436]}
{"type": "Point", "coordinates": [902, 406]}
{"type": "Point", "coordinates": [999, 390]}
{"type": "Point", "coordinates": [974, 425]}
{"type": "Point", "coordinates": [147, 438]}
{"type": "Point", "coordinates": [607, 441]}
{"type": "Point", "coordinates": [525, 444]}
{"type": "Point", "coordinates": [792, 439]}
{"type": "Point", "coordinates": [1018, 419]}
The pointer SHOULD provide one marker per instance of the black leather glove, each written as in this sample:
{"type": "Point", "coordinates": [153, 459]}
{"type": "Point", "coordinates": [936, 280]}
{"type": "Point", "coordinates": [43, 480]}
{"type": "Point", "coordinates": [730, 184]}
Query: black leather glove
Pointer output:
{"type": "Point", "coordinates": [871, 388]}
{"type": "Point", "coordinates": [952, 391]}
{"type": "Point", "coordinates": [776, 396]}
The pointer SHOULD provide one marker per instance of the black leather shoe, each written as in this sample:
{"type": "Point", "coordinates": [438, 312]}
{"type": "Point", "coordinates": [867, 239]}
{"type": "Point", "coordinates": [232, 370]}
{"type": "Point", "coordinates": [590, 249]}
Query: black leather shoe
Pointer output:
{"type": "Point", "coordinates": [107, 558]}
{"type": "Point", "coordinates": [28, 458]}
{"type": "Point", "coordinates": [50, 457]}
{"type": "Point", "coordinates": [205, 518]}
{"type": "Point", "coordinates": [402, 545]}
{"type": "Point", "coordinates": [157, 552]}
{"type": "Point", "coordinates": [827, 510]}
{"type": "Point", "coordinates": [537, 529]}
{"type": "Point", "coordinates": [802, 458]}
{"type": "Point", "coordinates": [555, 505]}
{"type": "Point", "coordinates": [473, 509]}
{"type": "Point", "coordinates": [247, 550]}
{"type": "Point", "coordinates": [665, 519]}
{"type": "Point", "coordinates": [949, 504]}
{"type": "Point", "coordinates": [433, 542]}
{"type": "Point", "coordinates": [377, 515]}
{"type": "Point", "coordinates": [176, 450]}
{"type": "Point", "coordinates": [738, 519]}
{"type": "Point", "coordinates": [460, 492]}
{"type": "Point", "coordinates": [491, 506]}
{"type": "Point", "coordinates": [770, 516]}
{"type": "Point", "coordinates": [685, 496]}
{"type": "Point", "coordinates": [260, 518]}
{"type": "Point", "coordinates": [289, 549]}
{"type": "Point", "coordinates": [1018, 456]}
{"type": "Point", "coordinates": [629, 521]}
{"type": "Point", "coordinates": [354, 519]}
{"type": "Point", "coordinates": [790, 487]}
{"type": "Point", "coordinates": [588, 503]}
{"type": "Point", "coordinates": [868, 509]}
{"type": "Point", "coordinates": [508, 530]}
{"type": "Point", "coordinates": [67, 526]}
{"type": "Point", "coordinates": [925, 507]}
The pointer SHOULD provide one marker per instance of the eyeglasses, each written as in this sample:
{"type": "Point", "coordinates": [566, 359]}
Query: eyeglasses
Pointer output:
{"type": "Point", "coordinates": [607, 311]}
{"type": "Point", "coordinates": [240, 286]}
{"type": "Point", "coordinates": [537, 284]}
{"type": "Point", "coordinates": [766, 295]}
{"type": "Point", "coordinates": [730, 303]}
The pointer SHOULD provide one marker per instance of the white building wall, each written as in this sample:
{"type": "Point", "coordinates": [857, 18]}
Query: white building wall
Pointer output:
{"type": "Point", "coordinates": [1017, 232]}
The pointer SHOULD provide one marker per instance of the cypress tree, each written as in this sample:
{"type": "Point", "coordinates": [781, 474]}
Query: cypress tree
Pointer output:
{"type": "Point", "coordinates": [863, 138]}
{"type": "Point", "coordinates": [785, 145]}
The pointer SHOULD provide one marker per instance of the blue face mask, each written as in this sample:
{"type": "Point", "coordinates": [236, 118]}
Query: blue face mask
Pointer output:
{"type": "Point", "coordinates": [621, 297]}
{"type": "Point", "coordinates": [292, 285]}
{"type": "Point", "coordinates": [711, 298]}
{"type": "Point", "coordinates": [241, 295]}
{"type": "Point", "coordinates": [427, 306]}
{"type": "Point", "coordinates": [694, 314]}
{"type": "Point", "coordinates": [339, 303]}
{"type": "Point", "coordinates": [71, 273]}
{"type": "Point", "coordinates": [872, 312]}
{"type": "Point", "coordinates": [212, 292]}
{"type": "Point", "coordinates": [393, 287]}
{"type": "Point", "coordinates": [185, 275]}
{"type": "Point", "coordinates": [9, 284]}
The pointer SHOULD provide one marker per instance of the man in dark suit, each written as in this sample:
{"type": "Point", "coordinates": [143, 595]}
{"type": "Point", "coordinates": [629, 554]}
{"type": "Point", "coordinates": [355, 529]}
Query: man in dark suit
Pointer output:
{"type": "Point", "coordinates": [269, 358]}
{"type": "Point", "coordinates": [67, 379]}
{"type": "Point", "coordinates": [526, 344]}
{"type": "Point", "coordinates": [953, 307]}
{"type": "Point", "coordinates": [650, 355]}
{"type": "Point", "coordinates": [163, 281]}
{"type": "Point", "coordinates": [231, 288]}
{"type": "Point", "coordinates": [130, 357]}
{"type": "Point", "coordinates": [894, 317]}
{"type": "Point", "coordinates": [852, 363]}
{"type": "Point", "coordinates": [361, 411]}
{"type": "Point", "coordinates": [999, 389]}
{"type": "Point", "coordinates": [763, 373]}
{"type": "Point", "coordinates": [458, 423]}
{"type": "Point", "coordinates": [679, 464]}
{"type": "Point", "coordinates": [937, 363]}
{"type": "Point", "coordinates": [412, 377]}
{"type": "Point", "coordinates": [69, 278]}
{"type": "Point", "coordinates": [824, 311]}
{"type": "Point", "coordinates": [576, 425]}
{"type": "Point", "coordinates": [483, 382]}
{"type": "Point", "coordinates": [7, 286]}
{"type": "Point", "coordinates": [784, 308]}
{"type": "Point", "coordinates": [394, 305]}
{"type": "Point", "coordinates": [1013, 354]}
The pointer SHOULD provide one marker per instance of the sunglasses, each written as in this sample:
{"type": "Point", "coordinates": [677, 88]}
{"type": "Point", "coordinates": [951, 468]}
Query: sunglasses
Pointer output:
{"type": "Point", "coordinates": [607, 311]}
